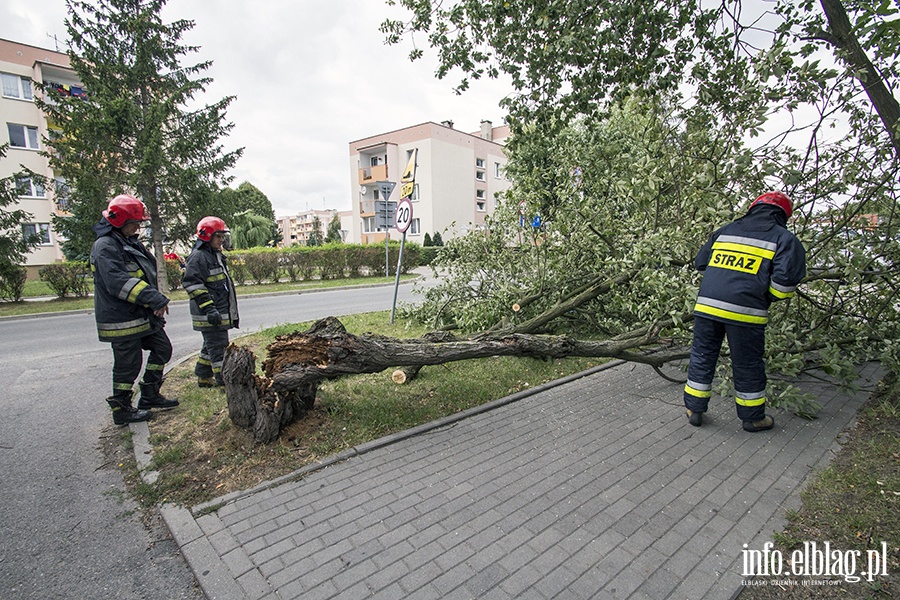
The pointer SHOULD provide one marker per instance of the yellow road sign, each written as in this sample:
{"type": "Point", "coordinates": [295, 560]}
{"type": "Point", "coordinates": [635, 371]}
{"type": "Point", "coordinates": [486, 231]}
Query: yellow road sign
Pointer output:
{"type": "Point", "coordinates": [410, 173]}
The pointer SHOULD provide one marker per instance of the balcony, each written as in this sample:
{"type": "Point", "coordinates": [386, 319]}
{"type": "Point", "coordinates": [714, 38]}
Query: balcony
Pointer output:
{"type": "Point", "coordinates": [373, 174]}
{"type": "Point", "coordinates": [367, 207]}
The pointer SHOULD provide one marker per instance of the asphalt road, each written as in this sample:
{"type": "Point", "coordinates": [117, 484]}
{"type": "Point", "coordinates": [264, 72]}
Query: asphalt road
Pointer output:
{"type": "Point", "coordinates": [67, 529]}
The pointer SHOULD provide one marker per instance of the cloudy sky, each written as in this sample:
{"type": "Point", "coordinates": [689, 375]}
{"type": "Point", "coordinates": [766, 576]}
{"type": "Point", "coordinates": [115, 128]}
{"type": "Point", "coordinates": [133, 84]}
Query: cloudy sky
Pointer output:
{"type": "Point", "coordinates": [310, 76]}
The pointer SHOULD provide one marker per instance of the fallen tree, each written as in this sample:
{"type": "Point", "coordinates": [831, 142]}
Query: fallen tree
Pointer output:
{"type": "Point", "coordinates": [299, 361]}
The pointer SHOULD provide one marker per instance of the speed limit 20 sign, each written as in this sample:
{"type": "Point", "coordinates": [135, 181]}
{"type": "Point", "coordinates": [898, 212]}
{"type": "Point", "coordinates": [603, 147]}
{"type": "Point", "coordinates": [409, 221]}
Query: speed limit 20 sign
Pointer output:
{"type": "Point", "coordinates": [404, 215]}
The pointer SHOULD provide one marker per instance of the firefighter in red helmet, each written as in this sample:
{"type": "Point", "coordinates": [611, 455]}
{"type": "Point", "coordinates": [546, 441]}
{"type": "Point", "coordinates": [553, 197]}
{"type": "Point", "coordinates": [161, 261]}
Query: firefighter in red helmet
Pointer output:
{"type": "Point", "coordinates": [747, 265]}
{"type": "Point", "coordinates": [130, 310]}
{"type": "Point", "coordinates": [213, 301]}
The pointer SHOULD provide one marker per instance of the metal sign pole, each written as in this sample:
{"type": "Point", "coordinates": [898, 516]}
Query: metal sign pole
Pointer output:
{"type": "Point", "coordinates": [387, 238]}
{"type": "Point", "coordinates": [397, 278]}
{"type": "Point", "coordinates": [403, 219]}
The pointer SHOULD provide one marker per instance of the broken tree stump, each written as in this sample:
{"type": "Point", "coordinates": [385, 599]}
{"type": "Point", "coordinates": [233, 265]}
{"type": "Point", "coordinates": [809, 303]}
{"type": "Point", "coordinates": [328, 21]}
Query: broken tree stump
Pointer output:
{"type": "Point", "coordinates": [253, 404]}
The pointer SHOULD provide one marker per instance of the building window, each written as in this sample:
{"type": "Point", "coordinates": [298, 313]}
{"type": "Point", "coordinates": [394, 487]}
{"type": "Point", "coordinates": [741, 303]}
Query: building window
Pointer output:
{"type": "Point", "coordinates": [414, 227]}
{"type": "Point", "coordinates": [480, 194]}
{"type": "Point", "coordinates": [29, 188]}
{"type": "Point", "coordinates": [482, 206]}
{"type": "Point", "coordinates": [479, 163]}
{"type": "Point", "coordinates": [369, 225]}
{"type": "Point", "coordinates": [16, 86]}
{"type": "Point", "coordinates": [479, 175]}
{"type": "Point", "coordinates": [498, 173]}
{"type": "Point", "coordinates": [40, 229]}
{"type": "Point", "coordinates": [23, 136]}
{"type": "Point", "coordinates": [61, 193]}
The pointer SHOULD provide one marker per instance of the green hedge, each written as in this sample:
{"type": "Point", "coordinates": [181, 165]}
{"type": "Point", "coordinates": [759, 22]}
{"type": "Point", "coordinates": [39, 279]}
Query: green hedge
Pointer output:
{"type": "Point", "coordinates": [66, 278]}
{"type": "Point", "coordinates": [12, 281]}
{"type": "Point", "coordinates": [331, 261]}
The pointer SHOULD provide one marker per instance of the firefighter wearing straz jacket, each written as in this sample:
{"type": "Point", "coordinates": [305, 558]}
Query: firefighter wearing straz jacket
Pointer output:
{"type": "Point", "coordinates": [747, 265]}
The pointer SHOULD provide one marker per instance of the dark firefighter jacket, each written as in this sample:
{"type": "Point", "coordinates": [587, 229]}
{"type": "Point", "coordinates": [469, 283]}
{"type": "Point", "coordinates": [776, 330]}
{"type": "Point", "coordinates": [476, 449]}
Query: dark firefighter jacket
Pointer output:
{"type": "Point", "coordinates": [208, 284]}
{"type": "Point", "coordinates": [748, 264]}
{"type": "Point", "coordinates": [125, 293]}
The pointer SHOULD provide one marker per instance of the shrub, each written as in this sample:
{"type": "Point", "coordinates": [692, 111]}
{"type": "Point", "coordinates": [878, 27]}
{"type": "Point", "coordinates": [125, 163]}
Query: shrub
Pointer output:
{"type": "Point", "coordinates": [12, 281]}
{"type": "Point", "coordinates": [332, 261]}
{"type": "Point", "coordinates": [262, 266]}
{"type": "Point", "coordinates": [237, 267]}
{"type": "Point", "coordinates": [174, 273]}
{"type": "Point", "coordinates": [67, 278]}
{"type": "Point", "coordinates": [355, 257]}
{"type": "Point", "coordinates": [298, 262]}
{"type": "Point", "coordinates": [428, 255]}
{"type": "Point", "coordinates": [374, 259]}
{"type": "Point", "coordinates": [290, 265]}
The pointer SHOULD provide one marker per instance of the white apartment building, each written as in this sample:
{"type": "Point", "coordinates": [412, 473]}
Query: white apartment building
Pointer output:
{"type": "Point", "coordinates": [458, 176]}
{"type": "Point", "coordinates": [24, 127]}
{"type": "Point", "coordinates": [296, 229]}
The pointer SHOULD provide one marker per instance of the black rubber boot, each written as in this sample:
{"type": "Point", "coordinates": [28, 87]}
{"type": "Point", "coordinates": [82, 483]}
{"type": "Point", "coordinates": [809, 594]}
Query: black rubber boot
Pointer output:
{"type": "Point", "coordinates": [124, 413]}
{"type": "Point", "coordinates": [215, 381]}
{"type": "Point", "coordinates": [209, 382]}
{"type": "Point", "coordinates": [695, 418]}
{"type": "Point", "coordinates": [763, 424]}
{"type": "Point", "coordinates": [151, 398]}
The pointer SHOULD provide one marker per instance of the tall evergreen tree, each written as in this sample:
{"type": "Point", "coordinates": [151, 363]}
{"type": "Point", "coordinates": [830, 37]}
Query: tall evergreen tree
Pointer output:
{"type": "Point", "coordinates": [315, 236]}
{"type": "Point", "coordinates": [133, 129]}
{"type": "Point", "coordinates": [334, 231]}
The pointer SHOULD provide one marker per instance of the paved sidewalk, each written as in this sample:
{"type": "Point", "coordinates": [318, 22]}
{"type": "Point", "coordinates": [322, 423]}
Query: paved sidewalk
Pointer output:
{"type": "Point", "coordinates": [596, 488]}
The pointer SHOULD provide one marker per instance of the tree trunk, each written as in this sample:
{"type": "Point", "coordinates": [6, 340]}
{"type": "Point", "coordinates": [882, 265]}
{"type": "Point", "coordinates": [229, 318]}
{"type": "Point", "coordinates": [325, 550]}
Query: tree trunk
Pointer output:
{"type": "Point", "coordinates": [253, 404]}
{"type": "Point", "coordinates": [844, 38]}
{"type": "Point", "coordinates": [297, 362]}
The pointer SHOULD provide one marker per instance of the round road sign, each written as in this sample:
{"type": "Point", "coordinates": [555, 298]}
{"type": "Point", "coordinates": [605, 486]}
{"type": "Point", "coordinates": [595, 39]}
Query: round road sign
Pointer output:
{"type": "Point", "coordinates": [404, 215]}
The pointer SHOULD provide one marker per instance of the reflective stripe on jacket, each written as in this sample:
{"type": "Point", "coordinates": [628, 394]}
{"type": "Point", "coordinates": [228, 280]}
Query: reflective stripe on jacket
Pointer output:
{"type": "Point", "coordinates": [208, 284]}
{"type": "Point", "coordinates": [748, 264]}
{"type": "Point", "coordinates": [125, 293]}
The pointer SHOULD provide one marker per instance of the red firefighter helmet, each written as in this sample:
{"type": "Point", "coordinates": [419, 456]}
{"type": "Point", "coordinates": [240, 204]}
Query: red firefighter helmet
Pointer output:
{"type": "Point", "coordinates": [777, 199]}
{"type": "Point", "coordinates": [125, 208]}
{"type": "Point", "coordinates": [210, 225]}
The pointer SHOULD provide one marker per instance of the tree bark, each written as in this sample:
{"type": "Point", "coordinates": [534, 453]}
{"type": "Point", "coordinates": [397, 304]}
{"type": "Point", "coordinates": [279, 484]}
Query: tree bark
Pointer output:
{"type": "Point", "coordinates": [841, 36]}
{"type": "Point", "coordinates": [253, 404]}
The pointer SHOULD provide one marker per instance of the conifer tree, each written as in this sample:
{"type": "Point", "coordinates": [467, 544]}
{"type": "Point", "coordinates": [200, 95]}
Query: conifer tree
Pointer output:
{"type": "Point", "coordinates": [137, 127]}
{"type": "Point", "coordinates": [334, 231]}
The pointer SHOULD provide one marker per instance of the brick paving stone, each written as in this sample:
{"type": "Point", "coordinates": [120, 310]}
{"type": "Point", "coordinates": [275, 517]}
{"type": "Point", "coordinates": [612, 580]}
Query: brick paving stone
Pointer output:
{"type": "Point", "coordinates": [550, 496]}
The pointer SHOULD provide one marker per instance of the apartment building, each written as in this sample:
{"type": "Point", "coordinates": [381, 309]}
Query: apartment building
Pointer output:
{"type": "Point", "coordinates": [296, 229]}
{"type": "Point", "coordinates": [24, 127]}
{"type": "Point", "coordinates": [458, 176]}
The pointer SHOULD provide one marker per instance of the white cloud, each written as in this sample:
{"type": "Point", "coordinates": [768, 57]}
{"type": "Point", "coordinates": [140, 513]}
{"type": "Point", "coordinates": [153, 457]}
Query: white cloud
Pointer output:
{"type": "Point", "coordinates": [309, 76]}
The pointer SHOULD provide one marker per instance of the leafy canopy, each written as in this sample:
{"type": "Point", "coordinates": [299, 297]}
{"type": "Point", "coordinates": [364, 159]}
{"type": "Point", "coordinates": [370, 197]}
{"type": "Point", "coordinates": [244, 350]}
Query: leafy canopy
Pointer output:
{"type": "Point", "coordinates": [641, 127]}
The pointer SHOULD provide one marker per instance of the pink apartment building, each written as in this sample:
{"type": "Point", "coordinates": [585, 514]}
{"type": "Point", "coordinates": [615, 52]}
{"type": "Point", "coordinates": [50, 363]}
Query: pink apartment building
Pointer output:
{"type": "Point", "coordinates": [458, 176]}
